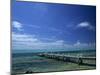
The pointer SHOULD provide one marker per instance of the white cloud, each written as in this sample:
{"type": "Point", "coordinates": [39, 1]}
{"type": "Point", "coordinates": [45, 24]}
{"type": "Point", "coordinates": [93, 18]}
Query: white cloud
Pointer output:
{"type": "Point", "coordinates": [80, 45]}
{"type": "Point", "coordinates": [86, 25]}
{"type": "Point", "coordinates": [77, 43]}
{"type": "Point", "coordinates": [31, 42]}
{"type": "Point", "coordinates": [23, 37]}
{"type": "Point", "coordinates": [17, 25]}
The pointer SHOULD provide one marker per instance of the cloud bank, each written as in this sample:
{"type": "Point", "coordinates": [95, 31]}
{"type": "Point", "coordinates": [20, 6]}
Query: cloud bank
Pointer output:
{"type": "Point", "coordinates": [25, 41]}
{"type": "Point", "coordinates": [28, 41]}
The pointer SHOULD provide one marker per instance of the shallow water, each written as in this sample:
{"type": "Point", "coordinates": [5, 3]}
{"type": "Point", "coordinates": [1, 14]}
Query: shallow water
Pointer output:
{"type": "Point", "coordinates": [22, 62]}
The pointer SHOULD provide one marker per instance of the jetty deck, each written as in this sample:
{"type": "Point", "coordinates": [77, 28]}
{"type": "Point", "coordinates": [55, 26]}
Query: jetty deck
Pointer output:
{"type": "Point", "coordinates": [91, 61]}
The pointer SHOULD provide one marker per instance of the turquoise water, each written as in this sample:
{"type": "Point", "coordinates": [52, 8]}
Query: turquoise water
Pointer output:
{"type": "Point", "coordinates": [22, 62]}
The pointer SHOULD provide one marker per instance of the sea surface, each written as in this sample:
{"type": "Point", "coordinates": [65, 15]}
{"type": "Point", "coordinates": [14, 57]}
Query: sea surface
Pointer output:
{"type": "Point", "coordinates": [22, 62]}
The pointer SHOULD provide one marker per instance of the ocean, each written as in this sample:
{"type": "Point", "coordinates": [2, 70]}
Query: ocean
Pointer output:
{"type": "Point", "coordinates": [23, 62]}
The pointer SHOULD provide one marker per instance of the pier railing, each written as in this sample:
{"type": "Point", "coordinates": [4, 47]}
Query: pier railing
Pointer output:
{"type": "Point", "coordinates": [69, 58]}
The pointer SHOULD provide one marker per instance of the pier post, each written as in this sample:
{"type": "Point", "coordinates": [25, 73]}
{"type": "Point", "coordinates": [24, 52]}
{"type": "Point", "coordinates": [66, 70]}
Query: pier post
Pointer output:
{"type": "Point", "coordinates": [80, 61]}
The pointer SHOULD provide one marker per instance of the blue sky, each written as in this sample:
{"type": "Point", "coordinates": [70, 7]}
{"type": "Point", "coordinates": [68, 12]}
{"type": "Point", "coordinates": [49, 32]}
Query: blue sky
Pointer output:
{"type": "Point", "coordinates": [53, 26]}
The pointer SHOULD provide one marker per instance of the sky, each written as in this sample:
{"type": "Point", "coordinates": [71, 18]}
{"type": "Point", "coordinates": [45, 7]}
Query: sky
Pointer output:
{"type": "Point", "coordinates": [49, 26]}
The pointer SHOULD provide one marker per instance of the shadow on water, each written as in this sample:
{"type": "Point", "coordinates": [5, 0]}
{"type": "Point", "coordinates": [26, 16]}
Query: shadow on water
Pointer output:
{"type": "Point", "coordinates": [86, 64]}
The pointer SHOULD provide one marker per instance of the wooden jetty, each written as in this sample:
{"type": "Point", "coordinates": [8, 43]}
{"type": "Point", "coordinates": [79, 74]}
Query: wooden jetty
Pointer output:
{"type": "Point", "coordinates": [68, 58]}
